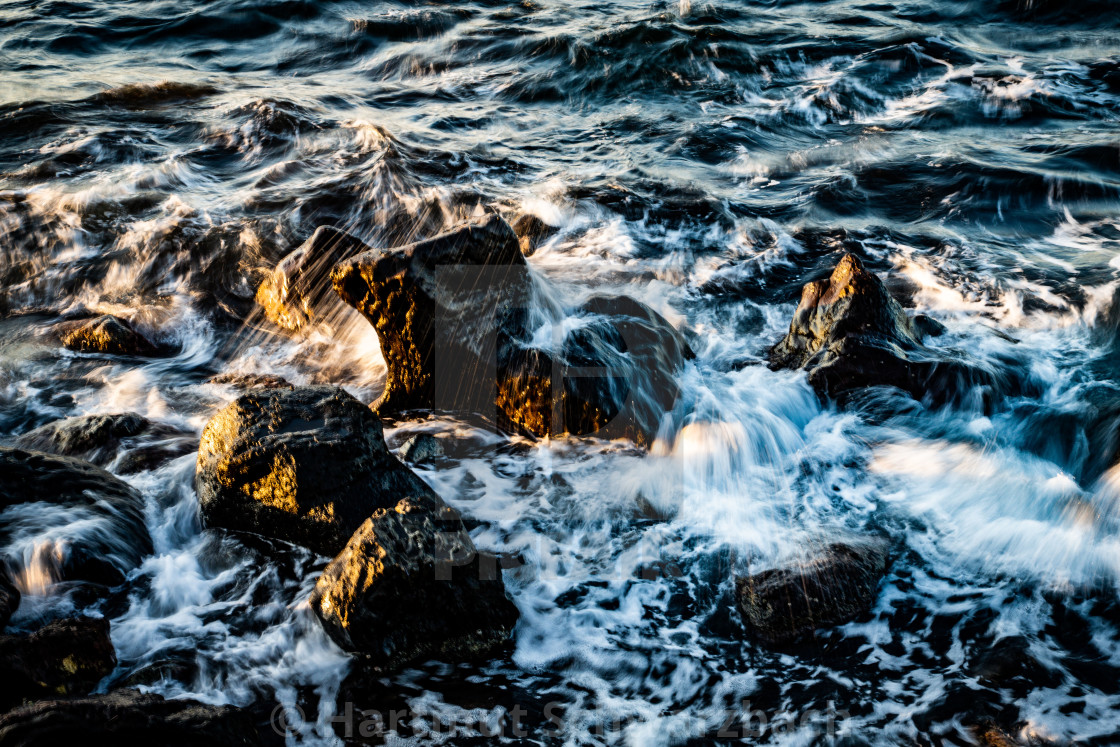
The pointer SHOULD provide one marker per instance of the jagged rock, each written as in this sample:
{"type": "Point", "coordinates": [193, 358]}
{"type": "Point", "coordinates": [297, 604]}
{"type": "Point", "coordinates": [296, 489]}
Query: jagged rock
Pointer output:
{"type": "Point", "coordinates": [410, 586]}
{"type": "Point", "coordinates": [440, 307]}
{"type": "Point", "coordinates": [101, 535]}
{"type": "Point", "coordinates": [127, 717]}
{"type": "Point", "coordinates": [298, 290]}
{"type": "Point", "coordinates": [420, 449]}
{"type": "Point", "coordinates": [66, 657]}
{"type": "Point", "coordinates": [837, 586]}
{"type": "Point", "coordinates": [9, 596]}
{"type": "Point", "coordinates": [306, 465]}
{"type": "Point", "coordinates": [106, 334]}
{"type": "Point", "coordinates": [531, 232]}
{"type": "Point", "coordinates": [849, 333]}
{"type": "Point", "coordinates": [100, 439]}
{"type": "Point", "coordinates": [250, 381]}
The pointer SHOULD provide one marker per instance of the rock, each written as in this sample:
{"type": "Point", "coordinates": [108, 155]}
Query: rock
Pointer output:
{"type": "Point", "coordinates": [250, 381]}
{"type": "Point", "coordinates": [849, 333]}
{"type": "Point", "coordinates": [306, 465]}
{"type": "Point", "coordinates": [106, 334]}
{"type": "Point", "coordinates": [410, 586]}
{"type": "Point", "coordinates": [439, 307]}
{"type": "Point", "coordinates": [614, 376]}
{"type": "Point", "coordinates": [782, 605]}
{"type": "Point", "coordinates": [101, 534]}
{"type": "Point", "coordinates": [9, 596]}
{"type": "Point", "coordinates": [127, 717]}
{"type": "Point", "coordinates": [1009, 664]}
{"type": "Point", "coordinates": [298, 290]}
{"type": "Point", "coordinates": [531, 232]}
{"type": "Point", "coordinates": [420, 449]}
{"type": "Point", "coordinates": [100, 439]}
{"type": "Point", "coordinates": [67, 657]}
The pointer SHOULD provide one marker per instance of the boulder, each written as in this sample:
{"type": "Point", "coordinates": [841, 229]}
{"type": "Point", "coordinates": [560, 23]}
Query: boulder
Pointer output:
{"type": "Point", "coordinates": [784, 604]}
{"type": "Point", "coordinates": [298, 290]}
{"type": "Point", "coordinates": [848, 332]}
{"type": "Point", "coordinates": [250, 381]}
{"type": "Point", "coordinates": [106, 334]}
{"type": "Point", "coordinates": [531, 232]}
{"type": "Point", "coordinates": [66, 657]}
{"type": "Point", "coordinates": [9, 596]}
{"type": "Point", "coordinates": [440, 307]}
{"type": "Point", "coordinates": [410, 586]}
{"type": "Point", "coordinates": [306, 465]}
{"type": "Point", "coordinates": [100, 439]}
{"type": "Point", "coordinates": [94, 520]}
{"type": "Point", "coordinates": [127, 717]}
{"type": "Point", "coordinates": [421, 449]}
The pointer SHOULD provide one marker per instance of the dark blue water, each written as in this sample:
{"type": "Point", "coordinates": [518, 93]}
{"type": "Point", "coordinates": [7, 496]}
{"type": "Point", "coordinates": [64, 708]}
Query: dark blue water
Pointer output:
{"type": "Point", "coordinates": [157, 158]}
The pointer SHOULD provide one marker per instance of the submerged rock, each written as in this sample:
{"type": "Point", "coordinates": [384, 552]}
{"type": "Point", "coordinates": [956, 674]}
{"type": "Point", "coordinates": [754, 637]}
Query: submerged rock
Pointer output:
{"type": "Point", "coordinates": [100, 439]}
{"type": "Point", "coordinates": [127, 717]}
{"type": "Point", "coordinates": [440, 307]}
{"type": "Point", "coordinates": [410, 586]}
{"type": "Point", "coordinates": [67, 657]}
{"type": "Point", "coordinates": [99, 536]}
{"type": "Point", "coordinates": [9, 596]}
{"type": "Point", "coordinates": [848, 332]}
{"type": "Point", "coordinates": [835, 587]}
{"type": "Point", "coordinates": [421, 449]}
{"type": "Point", "coordinates": [106, 334]}
{"type": "Point", "coordinates": [531, 232]}
{"type": "Point", "coordinates": [306, 465]}
{"type": "Point", "coordinates": [298, 290]}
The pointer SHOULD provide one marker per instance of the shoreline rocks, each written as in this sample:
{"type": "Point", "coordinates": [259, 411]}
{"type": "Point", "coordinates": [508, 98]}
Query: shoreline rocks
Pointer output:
{"type": "Point", "coordinates": [100, 439]}
{"type": "Point", "coordinates": [783, 605]}
{"type": "Point", "coordinates": [410, 586]}
{"type": "Point", "coordinates": [107, 334]}
{"type": "Point", "coordinates": [307, 465]}
{"type": "Point", "coordinates": [66, 657]}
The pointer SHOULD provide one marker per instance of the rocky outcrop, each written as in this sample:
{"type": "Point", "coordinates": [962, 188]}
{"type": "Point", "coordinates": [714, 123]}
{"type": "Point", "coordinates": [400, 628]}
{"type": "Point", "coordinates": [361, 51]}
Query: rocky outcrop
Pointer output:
{"type": "Point", "coordinates": [422, 448]}
{"type": "Point", "coordinates": [102, 534]}
{"type": "Point", "coordinates": [306, 465]}
{"type": "Point", "coordinates": [440, 307]}
{"type": "Point", "coordinates": [106, 334]}
{"type": "Point", "coordinates": [834, 587]}
{"type": "Point", "coordinates": [410, 586]}
{"type": "Point", "coordinates": [458, 332]}
{"type": "Point", "coordinates": [100, 440]}
{"type": "Point", "coordinates": [127, 717]}
{"type": "Point", "coordinates": [298, 290]}
{"type": "Point", "coordinates": [9, 596]}
{"type": "Point", "coordinates": [848, 332]}
{"type": "Point", "coordinates": [67, 657]}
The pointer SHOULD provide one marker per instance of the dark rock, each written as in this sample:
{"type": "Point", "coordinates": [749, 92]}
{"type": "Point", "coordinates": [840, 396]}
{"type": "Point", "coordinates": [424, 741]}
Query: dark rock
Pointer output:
{"type": "Point", "coordinates": [1009, 664]}
{"type": "Point", "coordinates": [100, 439]}
{"type": "Point", "coordinates": [410, 586]}
{"type": "Point", "coordinates": [420, 449]}
{"type": "Point", "coordinates": [305, 465]}
{"type": "Point", "coordinates": [114, 537]}
{"type": "Point", "coordinates": [439, 307]}
{"type": "Point", "coordinates": [531, 232]}
{"type": "Point", "coordinates": [9, 596]}
{"type": "Point", "coordinates": [849, 333]}
{"type": "Point", "coordinates": [106, 334]}
{"type": "Point", "coordinates": [785, 604]}
{"type": "Point", "coordinates": [298, 290]}
{"type": "Point", "coordinates": [251, 381]}
{"type": "Point", "coordinates": [126, 717]}
{"type": "Point", "coordinates": [67, 657]}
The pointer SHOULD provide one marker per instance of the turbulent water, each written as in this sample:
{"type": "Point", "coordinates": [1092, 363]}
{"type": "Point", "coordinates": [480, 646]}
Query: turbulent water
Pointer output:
{"type": "Point", "coordinates": [708, 158]}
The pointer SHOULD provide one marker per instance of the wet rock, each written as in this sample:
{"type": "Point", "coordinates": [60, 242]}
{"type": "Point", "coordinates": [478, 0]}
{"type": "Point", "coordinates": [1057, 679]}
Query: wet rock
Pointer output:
{"type": "Point", "coordinates": [439, 307]}
{"type": "Point", "coordinates": [66, 657]}
{"type": "Point", "coordinates": [421, 449]}
{"type": "Point", "coordinates": [9, 596]}
{"type": "Point", "coordinates": [614, 376]}
{"type": "Point", "coordinates": [250, 381]}
{"type": "Point", "coordinates": [531, 232]}
{"type": "Point", "coordinates": [835, 587]}
{"type": "Point", "coordinates": [305, 465]}
{"type": "Point", "coordinates": [99, 536]}
{"type": "Point", "coordinates": [106, 334]}
{"type": "Point", "coordinates": [100, 439]}
{"type": "Point", "coordinates": [299, 289]}
{"type": "Point", "coordinates": [1009, 664]}
{"type": "Point", "coordinates": [410, 586]}
{"type": "Point", "coordinates": [848, 332]}
{"type": "Point", "coordinates": [127, 717]}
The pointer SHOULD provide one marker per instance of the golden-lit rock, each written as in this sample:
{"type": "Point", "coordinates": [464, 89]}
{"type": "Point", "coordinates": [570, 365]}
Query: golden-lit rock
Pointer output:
{"type": "Point", "coordinates": [106, 334]}
{"type": "Point", "coordinates": [306, 465]}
